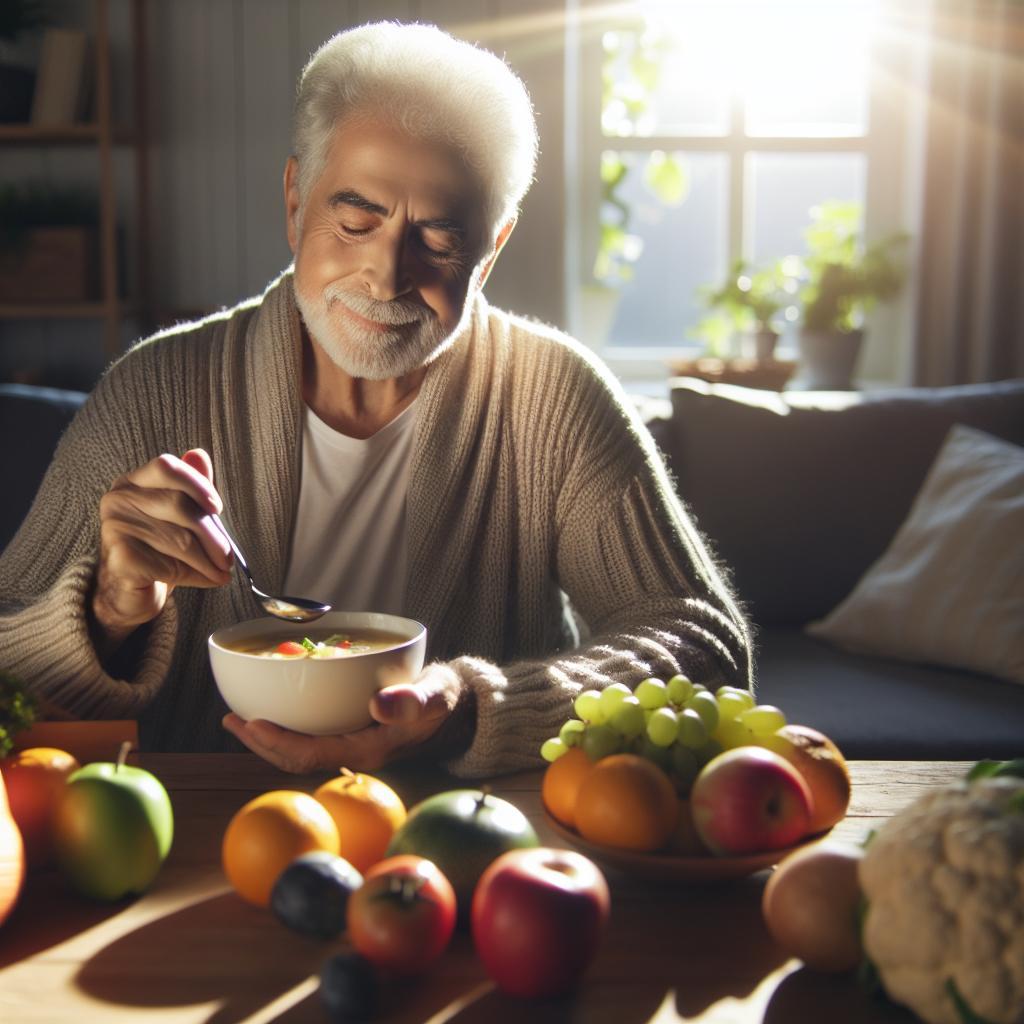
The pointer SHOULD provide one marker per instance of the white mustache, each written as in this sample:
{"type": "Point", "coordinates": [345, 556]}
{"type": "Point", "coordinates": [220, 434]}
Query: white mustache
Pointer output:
{"type": "Point", "coordinates": [393, 313]}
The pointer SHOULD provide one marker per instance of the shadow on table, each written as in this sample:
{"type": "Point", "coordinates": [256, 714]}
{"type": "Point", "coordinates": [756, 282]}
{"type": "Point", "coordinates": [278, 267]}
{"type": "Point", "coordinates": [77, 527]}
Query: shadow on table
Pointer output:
{"type": "Point", "coordinates": [836, 998]}
{"type": "Point", "coordinates": [201, 955]}
{"type": "Point", "coordinates": [49, 913]}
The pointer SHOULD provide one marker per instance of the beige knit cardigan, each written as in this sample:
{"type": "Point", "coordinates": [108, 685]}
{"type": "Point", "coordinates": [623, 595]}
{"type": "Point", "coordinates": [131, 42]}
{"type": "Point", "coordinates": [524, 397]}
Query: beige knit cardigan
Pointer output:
{"type": "Point", "coordinates": [532, 479]}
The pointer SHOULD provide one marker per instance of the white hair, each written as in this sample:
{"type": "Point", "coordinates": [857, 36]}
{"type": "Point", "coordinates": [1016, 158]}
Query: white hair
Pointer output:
{"type": "Point", "coordinates": [430, 85]}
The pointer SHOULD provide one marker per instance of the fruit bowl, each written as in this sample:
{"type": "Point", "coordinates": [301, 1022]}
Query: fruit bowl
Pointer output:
{"type": "Point", "coordinates": [674, 867]}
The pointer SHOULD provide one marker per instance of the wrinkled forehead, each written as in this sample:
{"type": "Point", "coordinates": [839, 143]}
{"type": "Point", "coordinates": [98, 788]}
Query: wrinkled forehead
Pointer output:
{"type": "Point", "coordinates": [391, 166]}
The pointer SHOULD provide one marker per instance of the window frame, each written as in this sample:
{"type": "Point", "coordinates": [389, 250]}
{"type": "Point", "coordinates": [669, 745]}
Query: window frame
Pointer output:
{"type": "Point", "coordinates": [890, 144]}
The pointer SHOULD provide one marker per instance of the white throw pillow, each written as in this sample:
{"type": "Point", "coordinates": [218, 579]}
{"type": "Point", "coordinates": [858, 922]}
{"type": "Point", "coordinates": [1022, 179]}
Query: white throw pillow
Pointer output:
{"type": "Point", "coordinates": [949, 590]}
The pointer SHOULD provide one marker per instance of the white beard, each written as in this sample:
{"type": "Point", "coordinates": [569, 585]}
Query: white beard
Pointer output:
{"type": "Point", "coordinates": [417, 337]}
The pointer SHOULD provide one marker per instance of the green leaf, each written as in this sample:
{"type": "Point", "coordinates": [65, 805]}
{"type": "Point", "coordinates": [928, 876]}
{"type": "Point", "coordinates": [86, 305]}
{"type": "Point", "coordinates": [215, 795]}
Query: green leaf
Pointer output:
{"type": "Point", "coordinates": [869, 979]}
{"type": "Point", "coordinates": [966, 1014]}
{"type": "Point", "coordinates": [665, 176]}
{"type": "Point", "coordinates": [983, 770]}
{"type": "Point", "coordinates": [989, 769]}
{"type": "Point", "coordinates": [17, 711]}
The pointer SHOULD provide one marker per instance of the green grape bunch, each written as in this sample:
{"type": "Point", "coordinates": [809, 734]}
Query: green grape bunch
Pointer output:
{"type": "Point", "coordinates": [677, 724]}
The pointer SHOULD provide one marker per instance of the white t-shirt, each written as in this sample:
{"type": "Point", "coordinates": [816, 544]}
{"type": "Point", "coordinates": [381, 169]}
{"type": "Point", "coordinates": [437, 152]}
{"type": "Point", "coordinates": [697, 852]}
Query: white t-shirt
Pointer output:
{"type": "Point", "coordinates": [348, 546]}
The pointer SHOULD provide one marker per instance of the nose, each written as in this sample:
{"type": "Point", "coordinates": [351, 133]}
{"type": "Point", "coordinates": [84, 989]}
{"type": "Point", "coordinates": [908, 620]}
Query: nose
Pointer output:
{"type": "Point", "coordinates": [385, 270]}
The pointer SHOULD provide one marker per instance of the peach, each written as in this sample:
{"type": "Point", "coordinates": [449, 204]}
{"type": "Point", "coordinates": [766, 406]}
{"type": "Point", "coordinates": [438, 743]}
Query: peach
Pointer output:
{"type": "Point", "coordinates": [823, 768]}
{"type": "Point", "coordinates": [35, 780]}
{"type": "Point", "coordinates": [811, 905]}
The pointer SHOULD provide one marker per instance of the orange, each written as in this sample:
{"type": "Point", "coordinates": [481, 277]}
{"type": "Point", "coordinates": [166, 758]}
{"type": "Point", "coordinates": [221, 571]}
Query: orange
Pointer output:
{"type": "Point", "coordinates": [561, 785]}
{"type": "Point", "coordinates": [367, 813]}
{"type": "Point", "coordinates": [823, 768]}
{"type": "Point", "coordinates": [628, 802]}
{"type": "Point", "coordinates": [267, 834]}
{"type": "Point", "coordinates": [35, 779]}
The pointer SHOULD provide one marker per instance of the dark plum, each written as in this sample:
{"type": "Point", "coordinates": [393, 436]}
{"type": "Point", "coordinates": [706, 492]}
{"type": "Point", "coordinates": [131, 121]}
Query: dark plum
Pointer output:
{"type": "Point", "coordinates": [348, 988]}
{"type": "Point", "coordinates": [311, 894]}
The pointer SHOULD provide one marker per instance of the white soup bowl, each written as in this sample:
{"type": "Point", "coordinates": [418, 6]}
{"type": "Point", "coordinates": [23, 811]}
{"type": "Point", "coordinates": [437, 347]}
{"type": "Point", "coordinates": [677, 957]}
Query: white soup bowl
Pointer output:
{"type": "Point", "coordinates": [318, 696]}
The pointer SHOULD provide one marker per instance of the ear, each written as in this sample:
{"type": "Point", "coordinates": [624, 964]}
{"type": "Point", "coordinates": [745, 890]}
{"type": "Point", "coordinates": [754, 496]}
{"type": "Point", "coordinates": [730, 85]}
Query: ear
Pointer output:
{"type": "Point", "coordinates": [499, 244]}
{"type": "Point", "coordinates": [291, 202]}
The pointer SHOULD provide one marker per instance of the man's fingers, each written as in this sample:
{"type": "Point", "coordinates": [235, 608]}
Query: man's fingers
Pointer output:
{"type": "Point", "coordinates": [165, 519]}
{"type": "Point", "coordinates": [199, 460]}
{"type": "Point", "coordinates": [168, 472]}
{"type": "Point", "coordinates": [430, 697]}
{"type": "Point", "coordinates": [365, 750]}
{"type": "Point", "coordinates": [136, 564]}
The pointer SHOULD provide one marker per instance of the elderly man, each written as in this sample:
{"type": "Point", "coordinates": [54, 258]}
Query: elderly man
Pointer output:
{"type": "Point", "coordinates": [376, 436]}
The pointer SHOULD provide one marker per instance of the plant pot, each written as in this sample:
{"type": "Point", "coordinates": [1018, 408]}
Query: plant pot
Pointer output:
{"type": "Point", "coordinates": [828, 359]}
{"type": "Point", "coordinates": [50, 264]}
{"type": "Point", "coordinates": [16, 87]}
{"type": "Point", "coordinates": [764, 345]}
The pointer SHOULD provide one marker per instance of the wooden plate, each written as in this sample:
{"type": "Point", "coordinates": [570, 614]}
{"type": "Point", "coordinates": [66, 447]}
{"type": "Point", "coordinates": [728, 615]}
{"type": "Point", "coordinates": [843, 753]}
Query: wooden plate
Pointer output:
{"type": "Point", "coordinates": [666, 867]}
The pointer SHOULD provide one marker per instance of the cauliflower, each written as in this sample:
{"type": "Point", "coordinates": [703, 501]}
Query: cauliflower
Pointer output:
{"type": "Point", "coordinates": [944, 884]}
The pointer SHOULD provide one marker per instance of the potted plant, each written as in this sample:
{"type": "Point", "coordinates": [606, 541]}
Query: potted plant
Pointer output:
{"type": "Point", "coordinates": [47, 243]}
{"type": "Point", "coordinates": [746, 303]}
{"type": "Point", "coordinates": [17, 17]}
{"type": "Point", "coordinates": [17, 711]}
{"type": "Point", "coordinates": [842, 278]}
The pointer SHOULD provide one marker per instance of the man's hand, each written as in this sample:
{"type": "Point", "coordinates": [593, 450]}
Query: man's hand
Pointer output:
{"type": "Point", "coordinates": [430, 715]}
{"type": "Point", "coordinates": [156, 534]}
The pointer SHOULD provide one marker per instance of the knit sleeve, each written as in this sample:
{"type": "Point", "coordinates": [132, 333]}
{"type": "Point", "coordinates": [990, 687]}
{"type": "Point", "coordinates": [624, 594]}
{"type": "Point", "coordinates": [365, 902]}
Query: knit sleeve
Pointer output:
{"type": "Point", "coordinates": [46, 575]}
{"type": "Point", "coordinates": [639, 574]}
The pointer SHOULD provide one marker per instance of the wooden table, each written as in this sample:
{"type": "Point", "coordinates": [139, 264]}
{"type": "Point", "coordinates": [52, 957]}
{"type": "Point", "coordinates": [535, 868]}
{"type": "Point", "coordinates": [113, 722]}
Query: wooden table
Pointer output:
{"type": "Point", "coordinates": [191, 950]}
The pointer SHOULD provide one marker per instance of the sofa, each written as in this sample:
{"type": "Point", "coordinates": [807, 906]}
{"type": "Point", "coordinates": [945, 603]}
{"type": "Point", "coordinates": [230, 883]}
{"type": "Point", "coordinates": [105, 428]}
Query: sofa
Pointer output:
{"type": "Point", "coordinates": [798, 494]}
{"type": "Point", "coordinates": [32, 419]}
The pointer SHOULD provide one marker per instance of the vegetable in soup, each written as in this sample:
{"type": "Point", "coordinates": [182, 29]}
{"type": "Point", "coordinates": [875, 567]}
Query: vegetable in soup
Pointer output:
{"type": "Point", "coordinates": [336, 645]}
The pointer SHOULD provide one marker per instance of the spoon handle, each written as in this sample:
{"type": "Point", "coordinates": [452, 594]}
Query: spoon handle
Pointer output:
{"type": "Point", "coordinates": [235, 550]}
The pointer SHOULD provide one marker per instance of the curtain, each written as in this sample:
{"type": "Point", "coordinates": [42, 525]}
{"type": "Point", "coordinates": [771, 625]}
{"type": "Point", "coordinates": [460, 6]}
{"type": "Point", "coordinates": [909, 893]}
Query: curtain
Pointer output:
{"type": "Point", "coordinates": [970, 297]}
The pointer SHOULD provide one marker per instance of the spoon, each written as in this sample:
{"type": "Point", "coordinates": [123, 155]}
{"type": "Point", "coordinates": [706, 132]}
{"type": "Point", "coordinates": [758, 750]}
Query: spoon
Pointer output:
{"type": "Point", "coordinates": [294, 609]}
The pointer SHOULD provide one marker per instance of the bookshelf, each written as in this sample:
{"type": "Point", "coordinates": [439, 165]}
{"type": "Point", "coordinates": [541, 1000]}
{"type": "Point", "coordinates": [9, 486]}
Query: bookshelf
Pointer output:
{"type": "Point", "coordinates": [102, 135]}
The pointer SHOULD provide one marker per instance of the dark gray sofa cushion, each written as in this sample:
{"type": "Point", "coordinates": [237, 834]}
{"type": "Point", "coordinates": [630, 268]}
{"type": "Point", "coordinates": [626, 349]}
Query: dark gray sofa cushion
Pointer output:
{"type": "Point", "coordinates": [32, 420]}
{"type": "Point", "coordinates": [877, 709]}
{"type": "Point", "coordinates": [800, 492]}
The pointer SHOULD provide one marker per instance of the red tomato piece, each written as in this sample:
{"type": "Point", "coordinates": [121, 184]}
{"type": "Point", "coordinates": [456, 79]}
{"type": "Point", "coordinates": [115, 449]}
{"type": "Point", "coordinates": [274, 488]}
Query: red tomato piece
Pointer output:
{"type": "Point", "coordinates": [403, 915]}
{"type": "Point", "coordinates": [290, 647]}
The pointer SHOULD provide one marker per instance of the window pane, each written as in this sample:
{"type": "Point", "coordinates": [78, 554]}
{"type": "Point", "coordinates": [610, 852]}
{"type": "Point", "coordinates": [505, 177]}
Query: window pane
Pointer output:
{"type": "Point", "coordinates": [675, 248]}
{"type": "Point", "coordinates": [798, 67]}
{"type": "Point", "coordinates": [784, 187]}
{"type": "Point", "coordinates": [812, 77]}
{"type": "Point", "coordinates": [665, 77]}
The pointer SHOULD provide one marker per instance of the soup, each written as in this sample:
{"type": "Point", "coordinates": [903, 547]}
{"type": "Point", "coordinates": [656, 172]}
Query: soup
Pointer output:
{"type": "Point", "coordinates": [333, 645]}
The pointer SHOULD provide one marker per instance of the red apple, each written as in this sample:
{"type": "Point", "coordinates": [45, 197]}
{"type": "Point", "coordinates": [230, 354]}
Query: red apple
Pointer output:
{"type": "Point", "coordinates": [750, 799]}
{"type": "Point", "coordinates": [538, 917]}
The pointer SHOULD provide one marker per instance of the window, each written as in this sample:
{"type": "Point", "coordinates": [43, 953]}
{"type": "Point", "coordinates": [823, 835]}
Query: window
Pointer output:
{"type": "Point", "coordinates": [706, 131]}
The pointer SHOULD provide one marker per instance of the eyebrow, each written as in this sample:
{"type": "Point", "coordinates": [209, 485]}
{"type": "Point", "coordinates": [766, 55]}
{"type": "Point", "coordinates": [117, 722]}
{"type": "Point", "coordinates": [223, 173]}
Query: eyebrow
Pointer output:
{"type": "Point", "coordinates": [349, 197]}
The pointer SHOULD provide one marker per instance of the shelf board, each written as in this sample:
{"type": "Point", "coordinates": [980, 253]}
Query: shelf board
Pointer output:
{"type": "Point", "coordinates": [60, 311]}
{"type": "Point", "coordinates": [67, 134]}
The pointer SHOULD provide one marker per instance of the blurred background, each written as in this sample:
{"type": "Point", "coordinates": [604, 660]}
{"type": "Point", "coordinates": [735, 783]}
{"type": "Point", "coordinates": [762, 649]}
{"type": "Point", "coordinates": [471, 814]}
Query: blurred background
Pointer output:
{"type": "Point", "coordinates": [721, 181]}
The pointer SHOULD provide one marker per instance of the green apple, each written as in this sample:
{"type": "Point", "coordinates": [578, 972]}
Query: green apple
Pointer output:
{"type": "Point", "coordinates": [462, 831]}
{"type": "Point", "coordinates": [112, 829]}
